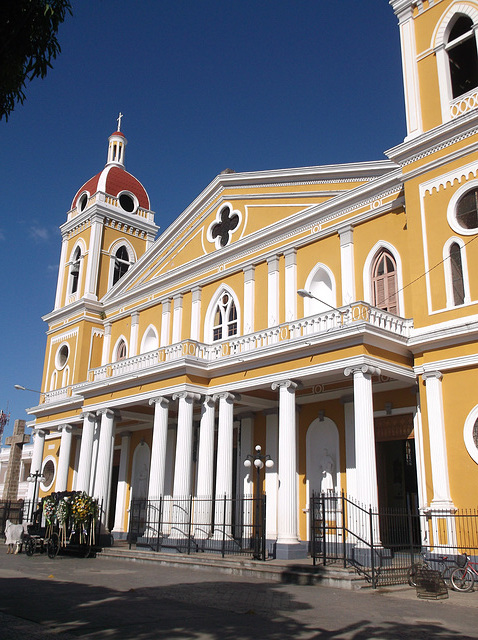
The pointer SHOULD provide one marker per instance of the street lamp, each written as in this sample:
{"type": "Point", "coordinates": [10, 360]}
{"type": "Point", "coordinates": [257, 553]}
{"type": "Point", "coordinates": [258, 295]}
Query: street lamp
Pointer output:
{"type": "Point", "coordinates": [308, 294]}
{"type": "Point", "coordinates": [20, 387]}
{"type": "Point", "coordinates": [258, 460]}
{"type": "Point", "coordinates": [35, 477]}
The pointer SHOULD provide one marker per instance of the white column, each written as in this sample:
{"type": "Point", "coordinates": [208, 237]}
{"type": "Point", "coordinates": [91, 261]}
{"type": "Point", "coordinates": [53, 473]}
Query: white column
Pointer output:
{"type": "Point", "coordinates": [224, 461]}
{"type": "Point", "coordinates": [205, 474]}
{"type": "Point", "coordinates": [165, 322]}
{"type": "Point", "coordinates": [436, 429]}
{"type": "Point", "coordinates": [158, 449]}
{"type": "Point", "coordinates": [61, 483]}
{"type": "Point", "coordinates": [103, 466]}
{"type": "Point", "coordinates": [350, 463]}
{"type": "Point", "coordinates": [86, 452]}
{"type": "Point", "coordinates": [133, 336]}
{"type": "Point", "coordinates": [119, 524]}
{"type": "Point", "coordinates": [410, 70]}
{"type": "Point", "coordinates": [347, 264]}
{"type": "Point", "coordinates": [271, 474]}
{"type": "Point", "coordinates": [37, 458]}
{"type": "Point", "coordinates": [61, 273]}
{"type": "Point", "coordinates": [184, 444]}
{"type": "Point", "coordinates": [94, 247]}
{"type": "Point", "coordinates": [249, 293]}
{"type": "Point", "coordinates": [366, 466]}
{"type": "Point", "coordinates": [195, 313]}
{"type": "Point", "coordinates": [105, 354]}
{"type": "Point", "coordinates": [290, 285]}
{"type": "Point", "coordinates": [273, 292]}
{"type": "Point", "coordinates": [287, 530]}
{"type": "Point", "coordinates": [247, 473]}
{"type": "Point", "coordinates": [177, 318]}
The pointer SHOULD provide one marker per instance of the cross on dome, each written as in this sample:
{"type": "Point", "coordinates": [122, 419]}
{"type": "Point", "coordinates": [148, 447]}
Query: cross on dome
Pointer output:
{"type": "Point", "coordinates": [118, 120]}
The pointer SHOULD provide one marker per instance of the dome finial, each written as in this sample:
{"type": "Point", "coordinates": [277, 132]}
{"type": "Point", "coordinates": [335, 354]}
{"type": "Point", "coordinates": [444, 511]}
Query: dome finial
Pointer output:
{"type": "Point", "coordinates": [118, 120]}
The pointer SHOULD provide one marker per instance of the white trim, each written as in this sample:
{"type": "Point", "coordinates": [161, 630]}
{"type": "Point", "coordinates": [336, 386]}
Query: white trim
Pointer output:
{"type": "Point", "coordinates": [312, 307]}
{"type": "Point", "coordinates": [468, 433]}
{"type": "Point", "coordinates": [209, 317]}
{"type": "Point", "coordinates": [114, 247]}
{"type": "Point", "coordinates": [367, 274]}
{"type": "Point", "coordinates": [450, 302]}
{"type": "Point", "coordinates": [273, 291]}
{"type": "Point", "coordinates": [115, 348]}
{"type": "Point", "coordinates": [451, 210]}
{"type": "Point", "coordinates": [45, 487]}
{"type": "Point", "coordinates": [71, 296]}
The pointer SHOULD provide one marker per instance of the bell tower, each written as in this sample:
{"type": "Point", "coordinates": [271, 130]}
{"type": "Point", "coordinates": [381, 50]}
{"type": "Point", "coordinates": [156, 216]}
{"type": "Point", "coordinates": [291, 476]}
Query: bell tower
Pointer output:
{"type": "Point", "coordinates": [109, 226]}
{"type": "Point", "coordinates": [439, 42]}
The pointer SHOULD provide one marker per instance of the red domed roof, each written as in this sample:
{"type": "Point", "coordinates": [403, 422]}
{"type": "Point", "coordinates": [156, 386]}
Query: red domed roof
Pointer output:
{"type": "Point", "coordinates": [113, 180]}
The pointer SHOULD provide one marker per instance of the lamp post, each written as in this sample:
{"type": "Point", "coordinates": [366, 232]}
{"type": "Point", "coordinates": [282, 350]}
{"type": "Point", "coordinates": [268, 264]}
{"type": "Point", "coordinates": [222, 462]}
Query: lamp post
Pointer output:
{"type": "Point", "coordinates": [20, 387]}
{"type": "Point", "coordinates": [303, 293]}
{"type": "Point", "coordinates": [35, 477]}
{"type": "Point", "coordinates": [258, 460]}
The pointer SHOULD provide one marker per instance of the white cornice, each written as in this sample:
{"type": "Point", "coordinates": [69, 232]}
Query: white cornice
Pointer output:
{"type": "Point", "coordinates": [102, 210]}
{"type": "Point", "coordinates": [81, 306]}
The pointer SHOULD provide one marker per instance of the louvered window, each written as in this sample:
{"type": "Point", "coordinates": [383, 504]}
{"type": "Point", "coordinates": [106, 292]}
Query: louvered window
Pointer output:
{"type": "Point", "coordinates": [458, 283]}
{"type": "Point", "coordinates": [75, 270]}
{"type": "Point", "coordinates": [384, 282]}
{"type": "Point", "coordinates": [122, 263]}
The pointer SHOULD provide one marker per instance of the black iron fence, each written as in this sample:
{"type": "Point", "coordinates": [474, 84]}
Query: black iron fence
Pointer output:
{"type": "Point", "coordinates": [382, 544]}
{"type": "Point", "coordinates": [192, 525]}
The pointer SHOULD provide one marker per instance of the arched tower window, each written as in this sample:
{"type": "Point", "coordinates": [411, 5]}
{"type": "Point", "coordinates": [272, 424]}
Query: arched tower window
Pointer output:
{"type": "Point", "coordinates": [384, 282]}
{"type": "Point", "coordinates": [121, 351]}
{"type": "Point", "coordinates": [456, 267]}
{"type": "Point", "coordinates": [75, 270]}
{"type": "Point", "coordinates": [462, 56]}
{"type": "Point", "coordinates": [121, 262]}
{"type": "Point", "coordinates": [225, 318]}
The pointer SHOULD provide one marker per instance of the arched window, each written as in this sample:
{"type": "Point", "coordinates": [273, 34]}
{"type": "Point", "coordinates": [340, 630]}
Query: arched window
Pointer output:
{"type": "Point", "coordinates": [121, 351]}
{"type": "Point", "coordinates": [225, 318]}
{"type": "Point", "coordinates": [384, 282]}
{"type": "Point", "coordinates": [462, 56]}
{"type": "Point", "coordinates": [467, 210]}
{"type": "Point", "coordinates": [75, 270]}
{"type": "Point", "coordinates": [456, 268]}
{"type": "Point", "coordinates": [321, 284]}
{"type": "Point", "coordinates": [121, 263]}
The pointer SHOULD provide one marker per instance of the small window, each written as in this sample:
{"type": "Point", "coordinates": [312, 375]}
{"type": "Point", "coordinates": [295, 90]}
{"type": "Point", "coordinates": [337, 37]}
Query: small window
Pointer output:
{"type": "Point", "coordinates": [127, 202]}
{"type": "Point", "coordinates": [456, 266]}
{"type": "Point", "coordinates": [121, 351]}
{"type": "Point", "coordinates": [467, 210]}
{"type": "Point", "coordinates": [48, 473]}
{"type": "Point", "coordinates": [462, 57]}
{"type": "Point", "coordinates": [62, 356]}
{"type": "Point", "coordinates": [75, 270]}
{"type": "Point", "coordinates": [122, 263]}
{"type": "Point", "coordinates": [384, 282]}
{"type": "Point", "coordinates": [82, 202]}
{"type": "Point", "coordinates": [225, 318]}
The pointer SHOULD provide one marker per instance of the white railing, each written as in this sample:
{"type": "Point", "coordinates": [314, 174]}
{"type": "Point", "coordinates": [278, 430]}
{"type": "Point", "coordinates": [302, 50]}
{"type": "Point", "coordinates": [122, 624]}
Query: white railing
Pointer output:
{"type": "Point", "coordinates": [339, 320]}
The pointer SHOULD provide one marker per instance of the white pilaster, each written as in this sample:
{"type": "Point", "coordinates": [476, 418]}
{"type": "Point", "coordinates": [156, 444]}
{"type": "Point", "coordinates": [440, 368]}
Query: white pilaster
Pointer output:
{"type": "Point", "coordinates": [94, 249]}
{"type": "Point", "coordinates": [158, 450]}
{"type": "Point", "coordinates": [105, 354]}
{"type": "Point", "coordinates": [133, 336]}
{"type": "Point", "coordinates": [436, 429]}
{"type": "Point", "coordinates": [410, 72]}
{"type": "Point", "coordinates": [271, 474]}
{"type": "Point", "coordinates": [249, 293]}
{"type": "Point", "coordinates": [290, 285]}
{"type": "Point", "coordinates": [121, 493]}
{"type": "Point", "coordinates": [61, 483]}
{"type": "Point", "coordinates": [37, 458]}
{"type": "Point", "coordinates": [347, 264]}
{"type": "Point", "coordinates": [86, 452]}
{"type": "Point", "coordinates": [177, 318]}
{"type": "Point", "coordinates": [196, 313]}
{"type": "Point", "coordinates": [61, 273]}
{"type": "Point", "coordinates": [103, 466]}
{"type": "Point", "coordinates": [366, 467]}
{"type": "Point", "coordinates": [273, 291]}
{"type": "Point", "coordinates": [287, 530]}
{"type": "Point", "coordinates": [165, 322]}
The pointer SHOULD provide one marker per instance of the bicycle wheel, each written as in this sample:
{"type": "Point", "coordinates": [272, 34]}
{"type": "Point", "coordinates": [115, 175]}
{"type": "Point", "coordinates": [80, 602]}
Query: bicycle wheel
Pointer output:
{"type": "Point", "coordinates": [462, 579]}
{"type": "Point", "coordinates": [30, 546]}
{"type": "Point", "coordinates": [53, 545]}
{"type": "Point", "coordinates": [412, 574]}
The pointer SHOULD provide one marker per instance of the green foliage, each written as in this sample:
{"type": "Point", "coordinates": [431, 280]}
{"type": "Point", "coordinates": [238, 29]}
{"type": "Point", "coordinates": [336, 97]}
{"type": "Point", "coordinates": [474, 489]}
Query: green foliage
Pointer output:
{"type": "Point", "coordinates": [28, 44]}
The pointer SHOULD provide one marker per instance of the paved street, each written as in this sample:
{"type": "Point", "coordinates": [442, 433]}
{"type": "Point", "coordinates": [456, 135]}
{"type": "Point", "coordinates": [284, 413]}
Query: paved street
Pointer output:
{"type": "Point", "coordinates": [102, 598]}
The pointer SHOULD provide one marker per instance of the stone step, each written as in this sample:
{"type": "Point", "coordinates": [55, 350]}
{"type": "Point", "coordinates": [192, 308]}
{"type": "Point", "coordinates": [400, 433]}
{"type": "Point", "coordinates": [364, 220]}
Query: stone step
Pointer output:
{"type": "Point", "coordinates": [294, 572]}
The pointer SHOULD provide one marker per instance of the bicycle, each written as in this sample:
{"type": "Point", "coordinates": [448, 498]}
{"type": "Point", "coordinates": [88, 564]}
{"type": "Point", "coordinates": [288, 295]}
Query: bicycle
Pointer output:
{"type": "Point", "coordinates": [463, 578]}
{"type": "Point", "coordinates": [437, 563]}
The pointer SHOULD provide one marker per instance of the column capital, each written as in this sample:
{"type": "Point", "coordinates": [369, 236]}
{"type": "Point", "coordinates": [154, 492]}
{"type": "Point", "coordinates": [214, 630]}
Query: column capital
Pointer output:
{"type": "Point", "coordinates": [273, 263]}
{"type": "Point", "coordinates": [68, 428]}
{"type": "Point", "coordinates": [41, 433]}
{"type": "Point", "coordinates": [208, 401]}
{"type": "Point", "coordinates": [91, 415]}
{"type": "Point", "coordinates": [186, 395]}
{"type": "Point", "coordinates": [109, 413]}
{"type": "Point", "coordinates": [287, 384]}
{"type": "Point", "coordinates": [227, 396]}
{"type": "Point", "coordinates": [364, 369]}
{"type": "Point", "coordinates": [429, 375]}
{"type": "Point", "coordinates": [126, 434]}
{"type": "Point", "coordinates": [161, 400]}
{"type": "Point", "coordinates": [135, 317]}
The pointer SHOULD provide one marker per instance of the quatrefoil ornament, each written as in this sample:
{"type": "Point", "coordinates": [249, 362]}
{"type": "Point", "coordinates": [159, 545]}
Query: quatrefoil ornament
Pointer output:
{"type": "Point", "coordinates": [226, 222]}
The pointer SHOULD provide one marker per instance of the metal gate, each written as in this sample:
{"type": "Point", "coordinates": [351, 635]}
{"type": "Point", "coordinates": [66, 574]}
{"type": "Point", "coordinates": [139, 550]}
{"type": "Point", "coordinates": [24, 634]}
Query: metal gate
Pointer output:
{"type": "Point", "coordinates": [192, 525]}
{"type": "Point", "coordinates": [382, 544]}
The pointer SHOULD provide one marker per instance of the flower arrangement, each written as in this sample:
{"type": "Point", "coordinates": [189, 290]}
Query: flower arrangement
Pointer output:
{"type": "Point", "coordinates": [62, 513]}
{"type": "Point", "coordinates": [82, 507]}
{"type": "Point", "coordinates": [49, 509]}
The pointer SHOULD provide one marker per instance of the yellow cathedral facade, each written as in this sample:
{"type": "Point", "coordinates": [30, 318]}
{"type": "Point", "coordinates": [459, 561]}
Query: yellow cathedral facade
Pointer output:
{"type": "Point", "coordinates": [328, 314]}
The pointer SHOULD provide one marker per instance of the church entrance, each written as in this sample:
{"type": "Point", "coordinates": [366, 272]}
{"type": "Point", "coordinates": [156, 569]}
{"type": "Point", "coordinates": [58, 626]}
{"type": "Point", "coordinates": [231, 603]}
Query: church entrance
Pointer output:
{"type": "Point", "coordinates": [396, 472]}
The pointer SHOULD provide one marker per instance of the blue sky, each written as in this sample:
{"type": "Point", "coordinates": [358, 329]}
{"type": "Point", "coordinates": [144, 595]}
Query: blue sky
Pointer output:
{"type": "Point", "coordinates": [204, 85]}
